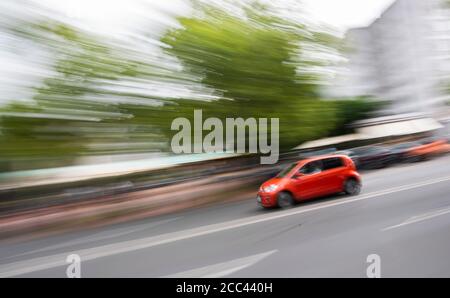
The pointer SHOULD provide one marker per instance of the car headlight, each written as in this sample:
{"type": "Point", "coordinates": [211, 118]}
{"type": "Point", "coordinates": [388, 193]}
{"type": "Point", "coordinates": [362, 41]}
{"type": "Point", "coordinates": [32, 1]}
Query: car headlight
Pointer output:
{"type": "Point", "coordinates": [270, 188]}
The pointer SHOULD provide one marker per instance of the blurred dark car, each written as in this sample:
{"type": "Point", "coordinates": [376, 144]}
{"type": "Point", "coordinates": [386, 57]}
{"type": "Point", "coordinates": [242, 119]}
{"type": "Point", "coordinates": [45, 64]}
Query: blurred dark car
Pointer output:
{"type": "Point", "coordinates": [401, 152]}
{"type": "Point", "coordinates": [369, 157]}
{"type": "Point", "coordinates": [314, 153]}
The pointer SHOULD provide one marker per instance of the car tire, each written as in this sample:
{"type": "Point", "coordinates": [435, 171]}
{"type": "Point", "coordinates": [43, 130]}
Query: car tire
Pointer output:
{"type": "Point", "coordinates": [419, 158]}
{"type": "Point", "coordinates": [352, 187]}
{"type": "Point", "coordinates": [285, 200]}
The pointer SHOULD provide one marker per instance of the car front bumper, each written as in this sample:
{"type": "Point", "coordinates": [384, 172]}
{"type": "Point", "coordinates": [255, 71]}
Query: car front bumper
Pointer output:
{"type": "Point", "coordinates": [266, 199]}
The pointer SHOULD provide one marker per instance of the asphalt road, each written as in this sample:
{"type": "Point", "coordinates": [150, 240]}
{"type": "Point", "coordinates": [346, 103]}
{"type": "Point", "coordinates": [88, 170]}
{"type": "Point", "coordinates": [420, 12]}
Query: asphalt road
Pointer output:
{"type": "Point", "coordinates": [402, 215]}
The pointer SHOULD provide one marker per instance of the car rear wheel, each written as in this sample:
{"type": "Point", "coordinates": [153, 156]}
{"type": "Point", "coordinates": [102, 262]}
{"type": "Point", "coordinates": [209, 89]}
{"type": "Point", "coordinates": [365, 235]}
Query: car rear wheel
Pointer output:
{"type": "Point", "coordinates": [352, 187]}
{"type": "Point", "coordinates": [285, 200]}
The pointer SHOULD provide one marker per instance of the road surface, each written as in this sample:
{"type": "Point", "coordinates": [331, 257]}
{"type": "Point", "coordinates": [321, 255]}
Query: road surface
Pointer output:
{"type": "Point", "coordinates": [402, 215]}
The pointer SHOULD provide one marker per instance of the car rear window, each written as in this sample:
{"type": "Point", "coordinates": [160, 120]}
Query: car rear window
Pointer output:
{"type": "Point", "coordinates": [332, 163]}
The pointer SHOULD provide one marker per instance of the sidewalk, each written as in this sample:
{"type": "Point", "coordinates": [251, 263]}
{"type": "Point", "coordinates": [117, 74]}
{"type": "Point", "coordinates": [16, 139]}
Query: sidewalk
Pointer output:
{"type": "Point", "coordinates": [129, 206]}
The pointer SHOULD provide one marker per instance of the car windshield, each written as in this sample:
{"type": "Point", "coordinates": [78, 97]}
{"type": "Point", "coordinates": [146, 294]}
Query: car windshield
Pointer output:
{"type": "Point", "coordinates": [405, 145]}
{"type": "Point", "coordinates": [312, 168]}
{"type": "Point", "coordinates": [344, 152]}
{"type": "Point", "coordinates": [428, 140]}
{"type": "Point", "coordinates": [367, 150]}
{"type": "Point", "coordinates": [286, 171]}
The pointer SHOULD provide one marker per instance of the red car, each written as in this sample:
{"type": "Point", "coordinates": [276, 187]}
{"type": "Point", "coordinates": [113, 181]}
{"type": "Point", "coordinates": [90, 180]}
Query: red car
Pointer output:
{"type": "Point", "coordinates": [428, 148]}
{"type": "Point", "coordinates": [310, 178]}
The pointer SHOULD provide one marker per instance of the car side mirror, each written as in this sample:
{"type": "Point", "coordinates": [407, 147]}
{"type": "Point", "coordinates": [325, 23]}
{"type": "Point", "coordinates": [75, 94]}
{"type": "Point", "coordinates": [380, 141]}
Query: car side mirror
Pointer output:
{"type": "Point", "coordinates": [297, 175]}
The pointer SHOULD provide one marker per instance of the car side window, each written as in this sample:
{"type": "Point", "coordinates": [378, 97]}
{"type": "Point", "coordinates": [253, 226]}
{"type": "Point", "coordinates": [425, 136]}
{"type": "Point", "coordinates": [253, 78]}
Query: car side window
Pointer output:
{"type": "Point", "coordinates": [310, 168]}
{"type": "Point", "coordinates": [332, 163]}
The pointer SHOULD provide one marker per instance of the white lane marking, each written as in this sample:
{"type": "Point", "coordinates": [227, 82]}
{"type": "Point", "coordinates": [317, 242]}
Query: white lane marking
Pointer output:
{"type": "Point", "coordinates": [222, 269]}
{"type": "Point", "coordinates": [43, 263]}
{"type": "Point", "coordinates": [419, 218]}
{"type": "Point", "coordinates": [104, 235]}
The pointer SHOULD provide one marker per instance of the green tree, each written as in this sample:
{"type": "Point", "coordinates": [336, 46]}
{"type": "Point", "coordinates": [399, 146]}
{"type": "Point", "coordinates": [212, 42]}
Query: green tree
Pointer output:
{"type": "Point", "coordinates": [351, 110]}
{"type": "Point", "coordinates": [254, 65]}
{"type": "Point", "coordinates": [257, 65]}
{"type": "Point", "coordinates": [75, 111]}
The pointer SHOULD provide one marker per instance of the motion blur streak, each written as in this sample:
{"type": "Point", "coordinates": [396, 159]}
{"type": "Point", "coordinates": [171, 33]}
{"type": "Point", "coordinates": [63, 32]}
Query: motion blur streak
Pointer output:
{"type": "Point", "coordinates": [89, 90]}
{"type": "Point", "coordinates": [280, 221]}
{"type": "Point", "coordinates": [118, 248]}
{"type": "Point", "coordinates": [81, 96]}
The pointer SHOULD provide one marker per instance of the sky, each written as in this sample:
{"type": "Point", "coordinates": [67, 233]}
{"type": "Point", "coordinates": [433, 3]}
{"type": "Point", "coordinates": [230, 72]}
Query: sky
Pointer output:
{"type": "Point", "coordinates": [343, 14]}
{"type": "Point", "coordinates": [120, 17]}
{"type": "Point", "coordinates": [346, 14]}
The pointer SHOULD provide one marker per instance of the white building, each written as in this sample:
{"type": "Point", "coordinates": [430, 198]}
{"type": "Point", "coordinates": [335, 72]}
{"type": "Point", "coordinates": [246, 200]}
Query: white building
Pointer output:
{"type": "Point", "coordinates": [403, 57]}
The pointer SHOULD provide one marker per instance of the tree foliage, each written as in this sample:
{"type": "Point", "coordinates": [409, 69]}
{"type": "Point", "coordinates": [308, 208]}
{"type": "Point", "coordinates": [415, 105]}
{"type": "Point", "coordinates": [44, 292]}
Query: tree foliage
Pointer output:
{"type": "Point", "coordinates": [74, 111]}
{"type": "Point", "coordinates": [255, 66]}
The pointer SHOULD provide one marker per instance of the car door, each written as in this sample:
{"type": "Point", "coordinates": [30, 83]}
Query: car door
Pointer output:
{"type": "Point", "coordinates": [333, 174]}
{"type": "Point", "coordinates": [307, 184]}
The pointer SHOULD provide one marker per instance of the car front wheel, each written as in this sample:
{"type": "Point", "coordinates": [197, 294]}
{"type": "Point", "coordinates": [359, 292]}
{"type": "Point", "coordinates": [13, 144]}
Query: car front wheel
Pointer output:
{"type": "Point", "coordinates": [285, 200]}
